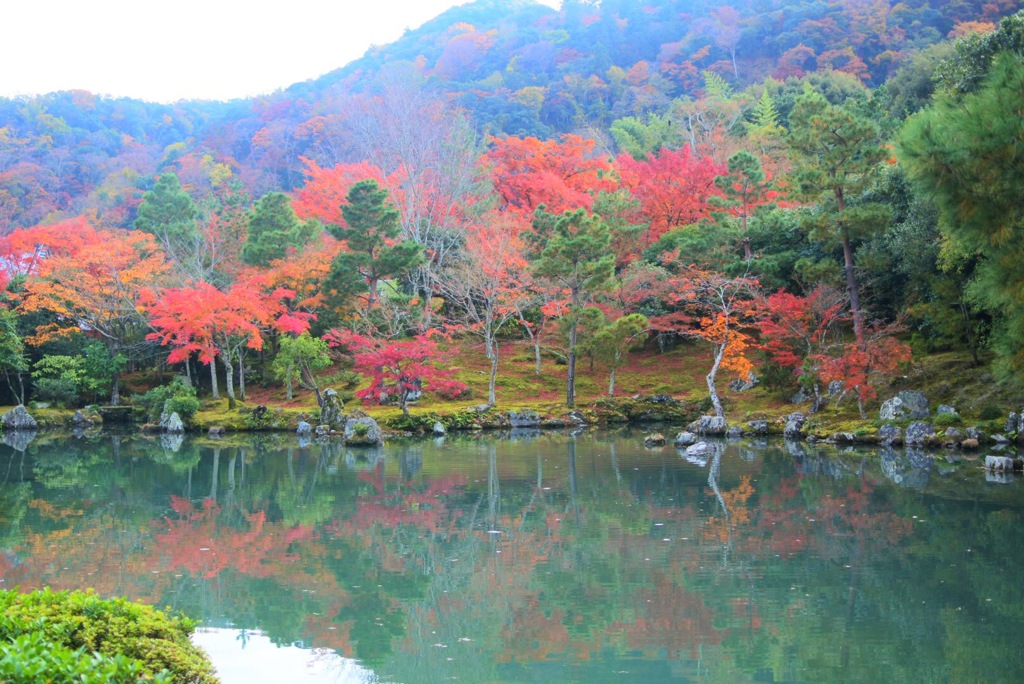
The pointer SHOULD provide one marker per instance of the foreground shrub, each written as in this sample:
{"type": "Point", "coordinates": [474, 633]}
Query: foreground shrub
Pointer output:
{"type": "Point", "coordinates": [76, 636]}
{"type": "Point", "coordinates": [175, 397]}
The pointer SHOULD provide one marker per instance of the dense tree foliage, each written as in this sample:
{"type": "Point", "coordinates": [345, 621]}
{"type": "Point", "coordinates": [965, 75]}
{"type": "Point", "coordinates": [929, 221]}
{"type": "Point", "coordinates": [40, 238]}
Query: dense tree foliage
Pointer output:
{"type": "Point", "coordinates": [608, 173]}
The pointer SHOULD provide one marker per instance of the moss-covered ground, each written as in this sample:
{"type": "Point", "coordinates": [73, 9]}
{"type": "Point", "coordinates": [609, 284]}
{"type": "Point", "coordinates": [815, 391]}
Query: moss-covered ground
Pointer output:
{"type": "Point", "coordinates": [679, 373]}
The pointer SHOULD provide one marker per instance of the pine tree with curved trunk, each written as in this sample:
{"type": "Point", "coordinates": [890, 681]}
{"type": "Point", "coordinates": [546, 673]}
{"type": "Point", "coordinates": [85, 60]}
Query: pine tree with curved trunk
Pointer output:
{"type": "Point", "coordinates": [837, 156]}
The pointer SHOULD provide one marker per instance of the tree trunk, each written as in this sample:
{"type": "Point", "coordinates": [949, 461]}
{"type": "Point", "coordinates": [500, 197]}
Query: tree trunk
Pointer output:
{"type": "Point", "coordinates": [241, 373]}
{"type": "Point", "coordinates": [288, 388]}
{"type": "Point", "coordinates": [115, 389]}
{"type": "Point", "coordinates": [570, 383]}
{"type": "Point", "coordinates": [536, 355]}
{"type": "Point", "coordinates": [747, 254]}
{"type": "Point", "coordinates": [611, 383]}
{"type": "Point", "coordinates": [213, 379]}
{"type": "Point", "coordinates": [719, 355]}
{"type": "Point", "coordinates": [188, 372]}
{"type": "Point", "coordinates": [491, 399]}
{"type": "Point", "coordinates": [851, 287]}
{"type": "Point", "coordinates": [229, 379]}
{"type": "Point", "coordinates": [851, 276]}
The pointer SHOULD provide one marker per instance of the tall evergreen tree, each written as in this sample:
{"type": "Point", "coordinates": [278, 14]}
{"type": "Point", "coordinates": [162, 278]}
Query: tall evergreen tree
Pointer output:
{"type": "Point", "coordinates": [837, 155]}
{"type": "Point", "coordinates": [274, 230]}
{"type": "Point", "coordinates": [573, 251]}
{"type": "Point", "coordinates": [374, 253]}
{"type": "Point", "coordinates": [966, 152]}
{"type": "Point", "coordinates": [168, 213]}
{"type": "Point", "coordinates": [744, 188]}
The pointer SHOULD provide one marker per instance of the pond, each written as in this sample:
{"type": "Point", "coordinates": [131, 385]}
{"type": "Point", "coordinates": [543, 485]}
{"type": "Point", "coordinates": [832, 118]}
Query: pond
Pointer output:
{"type": "Point", "coordinates": [534, 557]}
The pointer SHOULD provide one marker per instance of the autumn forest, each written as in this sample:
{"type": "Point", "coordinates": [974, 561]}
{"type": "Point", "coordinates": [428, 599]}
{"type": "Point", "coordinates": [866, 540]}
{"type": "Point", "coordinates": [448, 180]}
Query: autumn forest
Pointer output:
{"type": "Point", "coordinates": [812, 192]}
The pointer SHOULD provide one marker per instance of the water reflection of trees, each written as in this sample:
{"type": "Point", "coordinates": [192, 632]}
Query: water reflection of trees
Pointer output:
{"type": "Point", "coordinates": [503, 554]}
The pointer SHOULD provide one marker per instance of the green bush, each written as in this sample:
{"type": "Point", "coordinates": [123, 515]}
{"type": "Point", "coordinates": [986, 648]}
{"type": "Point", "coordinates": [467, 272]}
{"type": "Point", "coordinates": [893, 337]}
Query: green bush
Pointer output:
{"type": "Point", "coordinates": [60, 391]}
{"type": "Point", "coordinates": [31, 658]}
{"type": "Point", "coordinates": [990, 412]}
{"type": "Point", "coordinates": [946, 419]}
{"type": "Point", "coordinates": [177, 397]}
{"type": "Point", "coordinates": [77, 636]}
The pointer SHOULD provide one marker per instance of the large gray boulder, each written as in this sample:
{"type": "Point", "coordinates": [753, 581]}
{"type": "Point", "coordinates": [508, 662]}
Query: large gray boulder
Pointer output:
{"type": "Point", "coordinates": [907, 405]}
{"type": "Point", "coordinates": [330, 410]}
{"type": "Point", "coordinates": [889, 435]}
{"type": "Point", "coordinates": [758, 427]}
{"type": "Point", "coordinates": [363, 432]}
{"type": "Point", "coordinates": [685, 439]}
{"type": "Point", "coordinates": [304, 429]}
{"type": "Point", "coordinates": [794, 426]}
{"type": "Point", "coordinates": [524, 419]}
{"type": "Point", "coordinates": [919, 434]}
{"type": "Point", "coordinates": [740, 385]}
{"type": "Point", "coordinates": [171, 423]}
{"type": "Point", "coordinates": [1000, 464]}
{"type": "Point", "coordinates": [18, 418]}
{"type": "Point", "coordinates": [709, 425]}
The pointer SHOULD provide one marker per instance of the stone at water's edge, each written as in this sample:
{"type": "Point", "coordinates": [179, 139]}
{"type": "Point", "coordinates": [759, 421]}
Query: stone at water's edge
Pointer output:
{"type": "Point", "coordinates": [654, 439]}
{"type": "Point", "coordinates": [709, 425]}
{"type": "Point", "coordinates": [794, 426]}
{"type": "Point", "coordinates": [370, 435]}
{"type": "Point", "coordinates": [18, 418]}
{"type": "Point", "coordinates": [758, 427]}
{"type": "Point", "coordinates": [999, 464]}
{"type": "Point", "coordinates": [439, 429]}
{"type": "Point", "coordinates": [907, 405]}
{"type": "Point", "coordinates": [524, 419]}
{"type": "Point", "coordinates": [889, 435]}
{"type": "Point", "coordinates": [304, 429]}
{"type": "Point", "coordinates": [685, 439]}
{"type": "Point", "coordinates": [171, 423]}
{"type": "Point", "coordinates": [919, 434]}
{"type": "Point", "coordinates": [734, 432]}
{"type": "Point", "coordinates": [330, 410]}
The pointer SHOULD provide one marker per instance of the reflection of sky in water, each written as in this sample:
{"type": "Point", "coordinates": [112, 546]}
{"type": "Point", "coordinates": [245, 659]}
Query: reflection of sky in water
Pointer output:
{"type": "Point", "coordinates": [254, 659]}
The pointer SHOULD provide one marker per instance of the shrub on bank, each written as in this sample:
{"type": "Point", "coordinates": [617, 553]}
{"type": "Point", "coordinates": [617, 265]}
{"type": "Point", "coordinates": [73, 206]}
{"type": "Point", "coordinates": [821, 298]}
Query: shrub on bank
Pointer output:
{"type": "Point", "coordinates": [76, 636]}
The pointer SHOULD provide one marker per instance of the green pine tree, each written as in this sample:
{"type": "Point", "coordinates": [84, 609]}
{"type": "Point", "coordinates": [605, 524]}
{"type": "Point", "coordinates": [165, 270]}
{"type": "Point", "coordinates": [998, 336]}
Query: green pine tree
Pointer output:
{"type": "Point", "coordinates": [573, 252]}
{"type": "Point", "coordinates": [837, 156]}
{"type": "Point", "coordinates": [168, 213]}
{"type": "Point", "coordinates": [372, 233]}
{"type": "Point", "coordinates": [274, 229]}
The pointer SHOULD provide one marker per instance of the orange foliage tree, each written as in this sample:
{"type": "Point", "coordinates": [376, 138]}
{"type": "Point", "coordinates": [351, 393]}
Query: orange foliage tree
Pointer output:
{"type": "Point", "coordinates": [200, 319]}
{"type": "Point", "coordinates": [724, 309]}
{"type": "Point", "coordinates": [562, 175]}
{"type": "Point", "coordinates": [95, 288]}
{"type": "Point", "coordinates": [673, 188]}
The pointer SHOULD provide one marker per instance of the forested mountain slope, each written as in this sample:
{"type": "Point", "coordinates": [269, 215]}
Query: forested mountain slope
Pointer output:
{"type": "Point", "coordinates": [517, 67]}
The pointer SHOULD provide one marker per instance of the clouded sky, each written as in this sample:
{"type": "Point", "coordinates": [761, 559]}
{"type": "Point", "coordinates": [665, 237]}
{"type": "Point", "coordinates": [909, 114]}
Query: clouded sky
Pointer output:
{"type": "Point", "coordinates": [192, 49]}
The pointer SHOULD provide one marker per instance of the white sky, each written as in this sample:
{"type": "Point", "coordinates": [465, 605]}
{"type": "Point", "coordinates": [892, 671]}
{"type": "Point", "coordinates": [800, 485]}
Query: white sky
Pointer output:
{"type": "Point", "coordinates": [165, 51]}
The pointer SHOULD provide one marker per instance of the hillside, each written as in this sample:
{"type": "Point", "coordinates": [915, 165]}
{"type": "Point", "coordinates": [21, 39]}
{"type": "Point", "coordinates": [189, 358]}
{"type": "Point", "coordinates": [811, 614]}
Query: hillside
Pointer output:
{"type": "Point", "coordinates": [517, 67]}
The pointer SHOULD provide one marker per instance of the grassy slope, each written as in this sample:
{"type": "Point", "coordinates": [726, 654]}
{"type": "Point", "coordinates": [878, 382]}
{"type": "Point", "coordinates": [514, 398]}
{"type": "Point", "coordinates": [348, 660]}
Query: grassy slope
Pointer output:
{"type": "Point", "coordinates": [944, 378]}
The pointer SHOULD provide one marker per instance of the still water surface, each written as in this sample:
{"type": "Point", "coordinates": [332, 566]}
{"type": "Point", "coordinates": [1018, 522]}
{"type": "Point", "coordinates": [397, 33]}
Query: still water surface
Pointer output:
{"type": "Point", "coordinates": [535, 557]}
